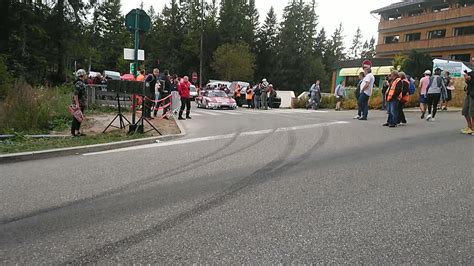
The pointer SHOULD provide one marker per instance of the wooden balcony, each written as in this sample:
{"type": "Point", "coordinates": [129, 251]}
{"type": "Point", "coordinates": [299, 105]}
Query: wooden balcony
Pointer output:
{"type": "Point", "coordinates": [449, 43]}
{"type": "Point", "coordinates": [430, 17]}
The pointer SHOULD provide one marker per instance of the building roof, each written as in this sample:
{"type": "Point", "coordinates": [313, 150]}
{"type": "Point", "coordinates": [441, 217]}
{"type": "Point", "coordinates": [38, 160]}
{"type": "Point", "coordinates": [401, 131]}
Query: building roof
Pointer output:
{"type": "Point", "coordinates": [406, 3]}
{"type": "Point", "coordinates": [376, 62]}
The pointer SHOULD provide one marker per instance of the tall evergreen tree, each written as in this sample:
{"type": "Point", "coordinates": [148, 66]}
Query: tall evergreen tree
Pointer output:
{"type": "Point", "coordinates": [267, 41]}
{"type": "Point", "coordinates": [368, 49]}
{"type": "Point", "coordinates": [334, 49]}
{"type": "Point", "coordinates": [297, 62]}
{"type": "Point", "coordinates": [356, 46]}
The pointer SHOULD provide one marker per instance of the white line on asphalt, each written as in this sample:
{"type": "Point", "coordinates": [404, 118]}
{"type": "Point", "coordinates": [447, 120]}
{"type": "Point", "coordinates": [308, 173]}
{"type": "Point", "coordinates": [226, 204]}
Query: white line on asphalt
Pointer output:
{"type": "Point", "coordinates": [206, 112]}
{"type": "Point", "coordinates": [218, 137]}
{"type": "Point", "coordinates": [229, 112]}
{"type": "Point", "coordinates": [196, 114]}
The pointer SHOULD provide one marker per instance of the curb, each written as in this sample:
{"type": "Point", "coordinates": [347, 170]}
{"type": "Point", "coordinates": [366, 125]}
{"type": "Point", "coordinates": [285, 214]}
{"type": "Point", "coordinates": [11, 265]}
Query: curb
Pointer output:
{"type": "Point", "coordinates": [37, 155]}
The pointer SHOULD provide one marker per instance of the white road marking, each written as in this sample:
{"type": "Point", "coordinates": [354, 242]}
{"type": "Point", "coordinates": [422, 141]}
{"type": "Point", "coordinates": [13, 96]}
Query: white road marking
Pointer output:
{"type": "Point", "coordinates": [219, 137]}
{"type": "Point", "coordinates": [207, 112]}
{"type": "Point", "coordinates": [229, 112]}
{"type": "Point", "coordinates": [196, 114]}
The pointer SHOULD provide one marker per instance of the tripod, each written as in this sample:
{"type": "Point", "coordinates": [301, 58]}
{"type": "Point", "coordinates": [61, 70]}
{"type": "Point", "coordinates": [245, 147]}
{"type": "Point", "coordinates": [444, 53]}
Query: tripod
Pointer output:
{"type": "Point", "coordinates": [120, 116]}
{"type": "Point", "coordinates": [139, 126]}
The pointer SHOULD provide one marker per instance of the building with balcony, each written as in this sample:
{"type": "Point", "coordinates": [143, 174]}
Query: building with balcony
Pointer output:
{"type": "Point", "coordinates": [442, 28]}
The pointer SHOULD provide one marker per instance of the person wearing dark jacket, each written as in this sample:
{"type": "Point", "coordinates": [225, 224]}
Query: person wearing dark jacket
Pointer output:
{"type": "Point", "coordinates": [168, 88]}
{"type": "Point", "coordinates": [150, 84]}
{"type": "Point", "coordinates": [468, 108]}
{"type": "Point", "coordinates": [393, 96]}
{"type": "Point", "coordinates": [401, 119]}
{"type": "Point", "coordinates": [184, 93]}
{"type": "Point", "coordinates": [79, 99]}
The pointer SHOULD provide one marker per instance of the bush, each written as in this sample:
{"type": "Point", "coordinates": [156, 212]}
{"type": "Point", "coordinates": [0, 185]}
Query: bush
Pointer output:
{"type": "Point", "coordinates": [34, 110]}
{"type": "Point", "coordinates": [6, 80]}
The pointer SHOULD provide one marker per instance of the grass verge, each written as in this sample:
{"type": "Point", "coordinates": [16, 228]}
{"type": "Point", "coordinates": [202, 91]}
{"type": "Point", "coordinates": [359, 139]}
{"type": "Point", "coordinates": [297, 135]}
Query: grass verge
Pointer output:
{"type": "Point", "coordinates": [22, 143]}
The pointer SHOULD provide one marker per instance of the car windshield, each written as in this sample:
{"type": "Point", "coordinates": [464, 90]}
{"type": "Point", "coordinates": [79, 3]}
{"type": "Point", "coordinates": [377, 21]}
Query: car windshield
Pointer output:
{"type": "Point", "coordinates": [192, 88]}
{"type": "Point", "coordinates": [216, 94]}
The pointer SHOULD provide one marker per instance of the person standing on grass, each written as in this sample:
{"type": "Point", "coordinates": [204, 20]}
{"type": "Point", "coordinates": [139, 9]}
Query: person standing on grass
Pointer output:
{"type": "Point", "coordinates": [184, 93]}
{"type": "Point", "coordinates": [433, 94]}
{"type": "Point", "coordinates": [468, 108]}
{"type": "Point", "coordinates": [424, 82]}
{"type": "Point", "coordinates": [339, 93]}
{"type": "Point", "coordinates": [357, 95]}
{"type": "Point", "coordinates": [448, 83]}
{"type": "Point", "coordinates": [393, 96]}
{"type": "Point", "coordinates": [79, 100]}
{"type": "Point", "coordinates": [366, 89]}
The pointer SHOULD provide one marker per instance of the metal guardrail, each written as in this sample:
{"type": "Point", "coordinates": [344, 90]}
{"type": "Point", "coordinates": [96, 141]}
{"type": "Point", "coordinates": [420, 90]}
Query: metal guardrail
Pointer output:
{"type": "Point", "coordinates": [98, 95]}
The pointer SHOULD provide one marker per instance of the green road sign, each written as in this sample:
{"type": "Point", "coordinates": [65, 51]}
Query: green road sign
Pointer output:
{"type": "Point", "coordinates": [144, 22]}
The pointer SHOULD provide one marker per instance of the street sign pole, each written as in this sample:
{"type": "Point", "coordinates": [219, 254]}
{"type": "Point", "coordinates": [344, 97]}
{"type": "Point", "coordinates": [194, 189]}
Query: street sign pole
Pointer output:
{"type": "Point", "coordinates": [135, 62]}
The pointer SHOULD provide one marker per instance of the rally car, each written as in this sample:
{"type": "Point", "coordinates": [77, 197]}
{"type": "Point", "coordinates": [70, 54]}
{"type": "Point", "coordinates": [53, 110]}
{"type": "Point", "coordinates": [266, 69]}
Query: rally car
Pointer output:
{"type": "Point", "coordinates": [215, 99]}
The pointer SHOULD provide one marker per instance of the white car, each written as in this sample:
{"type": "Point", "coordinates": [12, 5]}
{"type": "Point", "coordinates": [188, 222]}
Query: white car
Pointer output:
{"type": "Point", "coordinates": [193, 93]}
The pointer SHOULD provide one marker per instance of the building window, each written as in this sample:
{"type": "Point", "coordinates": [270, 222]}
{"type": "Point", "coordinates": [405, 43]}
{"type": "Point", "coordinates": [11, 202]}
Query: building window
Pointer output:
{"type": "Point", "coordinates": [436, 34]}
{"type": "Point", "coordinates": [415, 12]}
{"type": "Point", "coordinates": [392, 39]}
{"type": "Point", "coordinates": [413, 37]}
{"type": "Point", "coordinates": [436, 56]}
{"type": "Point", "coordinates": [461, 57]}
{"type": "Point", "coordinates": [441, 8]}
{"type": "Point", "coordinates": [464, 31]}
{"type": "Point", "coordinates": [394, 16]}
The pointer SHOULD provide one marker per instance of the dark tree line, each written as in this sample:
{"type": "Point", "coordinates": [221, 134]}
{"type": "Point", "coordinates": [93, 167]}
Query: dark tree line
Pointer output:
{"type": "Point", "coordinates": [44, 41]}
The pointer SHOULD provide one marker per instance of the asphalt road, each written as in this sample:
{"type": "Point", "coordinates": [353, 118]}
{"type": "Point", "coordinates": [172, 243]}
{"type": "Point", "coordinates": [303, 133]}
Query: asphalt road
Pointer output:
{"type": "Point", "coordinates": [253, 187]}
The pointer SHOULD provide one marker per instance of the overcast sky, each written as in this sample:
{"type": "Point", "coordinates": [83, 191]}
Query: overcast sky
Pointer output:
{"type": "Point", "coordinates": [352, 14]}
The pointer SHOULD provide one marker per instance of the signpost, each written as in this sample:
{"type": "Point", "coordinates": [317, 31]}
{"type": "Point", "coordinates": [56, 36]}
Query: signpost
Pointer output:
{"type": "Point", "coordinates": [137, 21]}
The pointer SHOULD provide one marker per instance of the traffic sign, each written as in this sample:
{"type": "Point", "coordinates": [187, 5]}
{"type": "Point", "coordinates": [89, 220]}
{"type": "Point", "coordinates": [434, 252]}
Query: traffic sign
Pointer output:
{"type": "Point", "coordinates": [141, 23]}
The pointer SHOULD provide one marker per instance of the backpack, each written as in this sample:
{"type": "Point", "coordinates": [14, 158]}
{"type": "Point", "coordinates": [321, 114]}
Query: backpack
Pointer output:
{"type": "Point", "coordinates": [412, 88]}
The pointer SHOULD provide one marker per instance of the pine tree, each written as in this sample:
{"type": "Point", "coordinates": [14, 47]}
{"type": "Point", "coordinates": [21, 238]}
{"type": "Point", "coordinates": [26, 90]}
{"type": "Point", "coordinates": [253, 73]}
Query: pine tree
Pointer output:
{"type": "Point", "coordinates": [334, 49]}
{"type": "Point", "coordinates": [356, 44]}
{"type": "Point", "coordinates": [320, 43]}
{"type": "Point", "coordinates": [368, 49]}
{"type": "Point", "coordinates": [297, 62]}
{"type": "Point", "coordinates": [267, 40]}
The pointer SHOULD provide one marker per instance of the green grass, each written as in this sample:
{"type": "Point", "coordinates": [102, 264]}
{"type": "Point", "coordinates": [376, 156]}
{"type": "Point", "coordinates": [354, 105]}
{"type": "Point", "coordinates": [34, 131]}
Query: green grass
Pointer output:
{"type": "Point", "coordinates": [23, 144]}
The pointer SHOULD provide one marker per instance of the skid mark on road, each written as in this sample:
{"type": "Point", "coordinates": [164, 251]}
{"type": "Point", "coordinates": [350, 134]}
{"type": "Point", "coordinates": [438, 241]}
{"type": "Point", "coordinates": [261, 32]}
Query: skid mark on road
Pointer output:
{"type": "Point", "coordinates": [272, 169]}
{"type": "Point", "coordinates": [218, 137]}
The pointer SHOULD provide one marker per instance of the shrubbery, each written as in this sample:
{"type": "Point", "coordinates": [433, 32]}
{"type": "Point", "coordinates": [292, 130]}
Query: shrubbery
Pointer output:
{"type": "Point", "coordinates": [34, 110]}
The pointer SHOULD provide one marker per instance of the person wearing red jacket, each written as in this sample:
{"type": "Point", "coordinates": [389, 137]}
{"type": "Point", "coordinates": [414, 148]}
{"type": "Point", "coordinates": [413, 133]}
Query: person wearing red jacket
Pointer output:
{"type": "Point", "coordinates": [184, 93]}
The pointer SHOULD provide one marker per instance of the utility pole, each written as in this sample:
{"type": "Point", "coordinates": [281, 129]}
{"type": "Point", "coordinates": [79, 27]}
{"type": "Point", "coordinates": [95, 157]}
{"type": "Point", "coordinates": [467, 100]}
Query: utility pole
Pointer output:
{"type": "Point", "coordinates": [202, 45]}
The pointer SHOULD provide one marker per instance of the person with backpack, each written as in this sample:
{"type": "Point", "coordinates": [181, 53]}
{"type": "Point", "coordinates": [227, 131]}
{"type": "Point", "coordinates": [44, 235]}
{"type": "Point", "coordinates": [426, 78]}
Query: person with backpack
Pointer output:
{"type": "Point", "coordinates": [79, 101]}
{"type": "Point", "coordinates": [314, 96]}
{"type": "Point", "coordinates": [401, 119]}
{"type": "Point", "coordinates": [468, 108]}
{"type": "Point", "coordinates": [357, 95]}
{"type": "Point", "coordinates": [339, 93]}
{"type": "Point", "coordinates": [424, 82]}
{"type": "Point", "coordinates": [436, 90]}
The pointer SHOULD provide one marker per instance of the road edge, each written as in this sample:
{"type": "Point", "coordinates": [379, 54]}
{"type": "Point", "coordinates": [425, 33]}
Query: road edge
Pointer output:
{"type": "Point", "coordinates": [38, 155]}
